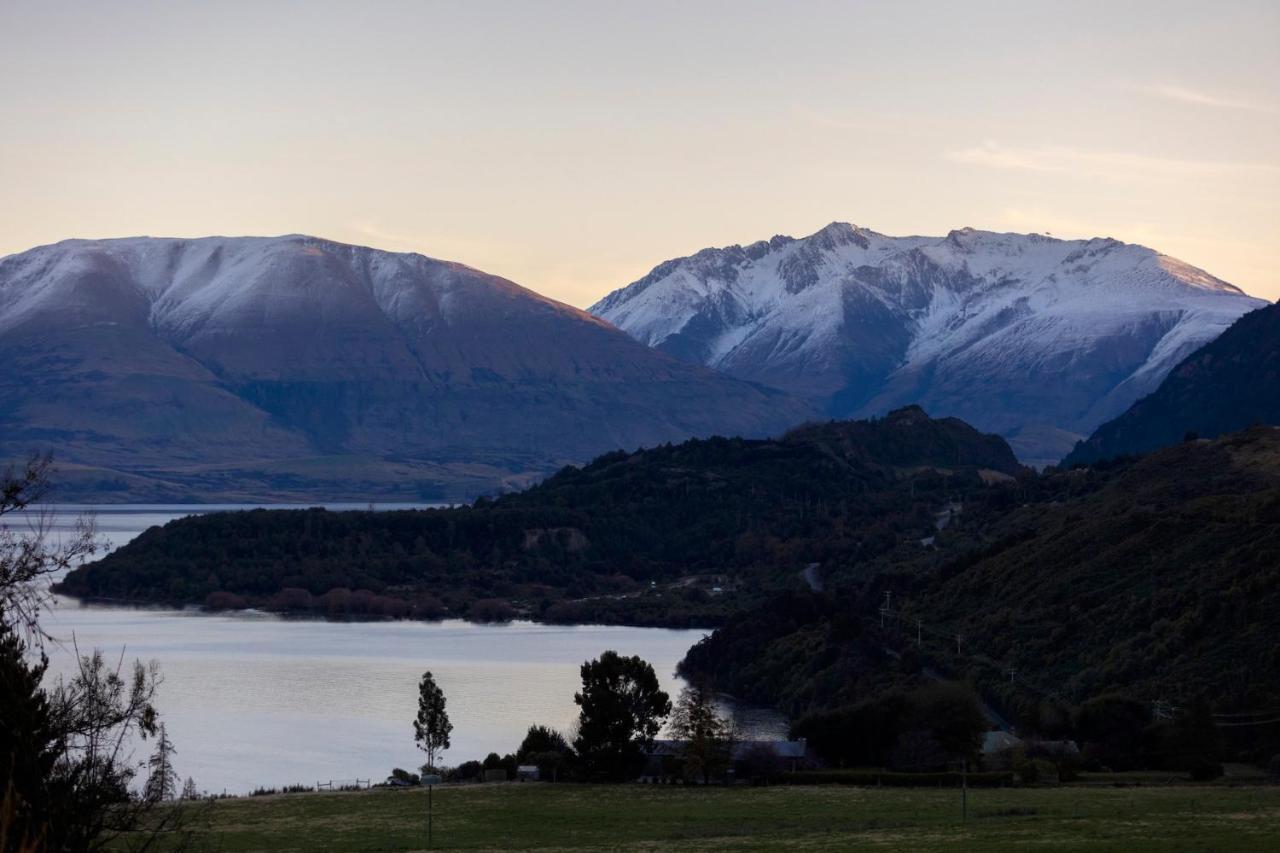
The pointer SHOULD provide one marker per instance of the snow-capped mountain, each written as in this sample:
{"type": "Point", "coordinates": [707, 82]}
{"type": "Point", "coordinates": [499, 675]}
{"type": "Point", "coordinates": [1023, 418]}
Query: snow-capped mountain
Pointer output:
{"type": "Point", "coordinates": [1229, 384]}
{"type": "Point", "coordinates": [293, 366]}
{"type": "Point", "coordinates": [1036, 338]}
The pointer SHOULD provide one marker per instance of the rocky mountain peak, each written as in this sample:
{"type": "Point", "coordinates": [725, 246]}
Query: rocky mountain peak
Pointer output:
{"type": "Point", "coordinates": [1037, 338]}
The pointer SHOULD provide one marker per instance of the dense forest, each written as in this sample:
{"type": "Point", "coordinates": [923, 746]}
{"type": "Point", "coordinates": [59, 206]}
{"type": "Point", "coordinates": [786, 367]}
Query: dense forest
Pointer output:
{"type": "Point", "coordinates": [1158, 577]}
{"type": "Point", "coordinates": [675, 535]}
{"type": "Point", "coordinates": [840, 563]}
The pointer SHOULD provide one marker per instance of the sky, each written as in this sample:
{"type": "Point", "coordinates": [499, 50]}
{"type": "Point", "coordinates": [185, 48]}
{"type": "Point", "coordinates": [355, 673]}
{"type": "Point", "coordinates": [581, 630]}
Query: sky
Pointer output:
{"type": "Point", "coordinates": [572, 146]}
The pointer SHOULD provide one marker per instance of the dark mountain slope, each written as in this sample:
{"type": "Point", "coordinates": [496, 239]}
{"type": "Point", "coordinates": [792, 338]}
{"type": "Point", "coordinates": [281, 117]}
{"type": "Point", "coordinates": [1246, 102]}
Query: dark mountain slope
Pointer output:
{"type": "Point", "coordinates": [737, 514]}
{"type": "Point", "coordinates": [1163, 583]}
{"type": "Point", "coordinates": [1159, 578]}
{"type": "Point", "coordinates": [1226, 385]}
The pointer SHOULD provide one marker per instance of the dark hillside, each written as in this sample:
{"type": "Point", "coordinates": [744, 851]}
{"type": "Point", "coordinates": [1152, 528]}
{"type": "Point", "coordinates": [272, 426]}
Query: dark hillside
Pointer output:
{"type": "Point", "coordinates": [1158, 578]}
{"type": "Point", "coordinates": [1229, 384]}
{"type": "Point", "coordinates": [679, 534]}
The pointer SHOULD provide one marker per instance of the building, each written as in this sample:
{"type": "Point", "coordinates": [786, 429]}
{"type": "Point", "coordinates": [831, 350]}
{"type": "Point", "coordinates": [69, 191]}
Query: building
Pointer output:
{"type": "Point", "coordinates": [747, 759]}
{"type": "Point", "coordinates": [1000, 750]}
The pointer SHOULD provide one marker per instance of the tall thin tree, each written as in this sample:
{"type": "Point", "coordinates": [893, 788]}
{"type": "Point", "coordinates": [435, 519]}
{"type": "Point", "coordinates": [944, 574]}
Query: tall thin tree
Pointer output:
{"type": "Point", "coordinates": [707, 737]}
{"type": "Point", "coordinates": [431, 727]}
{"type": "Point", "coordinates": [162, 784]}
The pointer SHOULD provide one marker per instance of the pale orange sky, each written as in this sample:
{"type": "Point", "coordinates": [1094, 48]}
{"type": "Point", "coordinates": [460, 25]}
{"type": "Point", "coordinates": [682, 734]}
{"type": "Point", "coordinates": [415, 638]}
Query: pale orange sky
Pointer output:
{"type": "Point", "coordinates": [573, 146]}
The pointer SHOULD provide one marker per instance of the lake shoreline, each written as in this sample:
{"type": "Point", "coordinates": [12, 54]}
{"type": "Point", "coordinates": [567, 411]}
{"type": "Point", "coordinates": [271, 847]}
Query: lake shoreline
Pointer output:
{"type": "Point", "coordinates": [310, 616]}
{"type": "Point", "coordinates": [260, 698]}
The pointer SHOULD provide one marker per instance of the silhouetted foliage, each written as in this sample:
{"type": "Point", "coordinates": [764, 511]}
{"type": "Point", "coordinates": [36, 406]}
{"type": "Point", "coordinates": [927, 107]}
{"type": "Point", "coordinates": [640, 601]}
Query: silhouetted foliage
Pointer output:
{"type": "Point", "coordinates": [608, 542]}
{"type": "Point", "coordinates": [919, 730]}
{"type": "Point", "coordinates": [621, 709]}
{"type": "Point", "coordinates": [64, 765]}
{"type": "Point", "coordinates": [431, 727]}
{"type": "Point", "coordinates": [1111, 727]}
{"type": "Point", "coordinates": [707, 737]}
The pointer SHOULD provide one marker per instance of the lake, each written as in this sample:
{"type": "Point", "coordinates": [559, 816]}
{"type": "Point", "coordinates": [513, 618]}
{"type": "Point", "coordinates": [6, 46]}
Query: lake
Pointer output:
{"type": "Point", "coordinates": [254, 699]}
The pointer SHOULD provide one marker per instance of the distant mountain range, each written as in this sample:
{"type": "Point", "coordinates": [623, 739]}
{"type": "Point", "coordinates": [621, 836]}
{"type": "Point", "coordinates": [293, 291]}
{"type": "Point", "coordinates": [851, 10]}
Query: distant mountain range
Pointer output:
{"type": "Point", "coordinates": [1228, 384]}
{"type": "Point", "coordinates": [1038, 339]}
{"type": "Point", "coordinates": [295, 368]}
{"type": "Point", "coordinates": [298, 368]}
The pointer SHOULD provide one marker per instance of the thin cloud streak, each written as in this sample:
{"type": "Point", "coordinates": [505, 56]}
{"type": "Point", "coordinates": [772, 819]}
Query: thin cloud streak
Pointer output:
{"type": "Point", "coordinates": [1184, 95]}
{"type": "Point", "coordinates": [1107, 164]}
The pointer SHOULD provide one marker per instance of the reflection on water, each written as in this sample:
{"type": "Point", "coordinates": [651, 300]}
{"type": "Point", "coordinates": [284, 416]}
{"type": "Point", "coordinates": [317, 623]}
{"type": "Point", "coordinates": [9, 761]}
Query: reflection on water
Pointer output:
{"type": "Point", "coordinates": [252, 699]}
{"type": "Point", "coordinates": [260, 700]}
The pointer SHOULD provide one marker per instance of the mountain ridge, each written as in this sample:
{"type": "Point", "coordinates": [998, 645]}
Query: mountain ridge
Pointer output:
{"type": "Point", "coordinates": [1230, 383]}
{"type": "Point", "coordinates": [981, 325]}
{"type": "Point", "coordinates": [276, 367]}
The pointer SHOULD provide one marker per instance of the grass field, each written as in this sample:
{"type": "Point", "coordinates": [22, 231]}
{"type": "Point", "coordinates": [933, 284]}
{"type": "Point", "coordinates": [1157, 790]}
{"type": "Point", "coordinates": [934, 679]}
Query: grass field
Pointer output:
{"type": "Point", "coordinates": [647, 818]}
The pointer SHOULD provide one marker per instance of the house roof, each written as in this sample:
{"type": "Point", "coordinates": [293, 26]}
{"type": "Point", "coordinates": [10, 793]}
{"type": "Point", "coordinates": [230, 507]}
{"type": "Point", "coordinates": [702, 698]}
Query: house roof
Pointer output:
{"type": "Point", "coordinates": [998, 741]}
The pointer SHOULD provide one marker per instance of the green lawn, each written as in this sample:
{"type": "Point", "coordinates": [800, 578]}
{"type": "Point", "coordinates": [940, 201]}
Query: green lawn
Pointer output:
{"type": "Point", "coordinates": [643, 818]}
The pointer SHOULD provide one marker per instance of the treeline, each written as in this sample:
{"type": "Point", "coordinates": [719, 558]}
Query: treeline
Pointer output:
{"type": "Point", "coordinates": [615, 541]}
{"type": "Point", "coordinates": [622, 710]}
{"type": "Point", "coordinates": [1155, 578]}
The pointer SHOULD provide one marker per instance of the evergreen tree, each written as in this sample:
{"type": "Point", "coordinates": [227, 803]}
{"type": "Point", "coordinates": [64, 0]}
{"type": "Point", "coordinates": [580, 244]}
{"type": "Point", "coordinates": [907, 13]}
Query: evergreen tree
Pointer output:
{"type": "Point", "coordinates": [28, 749]}
{"type": "Point", "coordinates": [189, 791]}
{"type": "Point", "coordinates": [707, 736]}
{"type": "Point", "coordinates": [547, 749]}
{"type": "Point", "coordinates": [542, 739]}
{"type": "Point", "coordinates": [431, 727]}
{"type": "Point", "coordinates": [63, 782]}
{"type": "Point", "coordinates": [162, 784]}
{"type": "Point", "coordinates": [622, 709]}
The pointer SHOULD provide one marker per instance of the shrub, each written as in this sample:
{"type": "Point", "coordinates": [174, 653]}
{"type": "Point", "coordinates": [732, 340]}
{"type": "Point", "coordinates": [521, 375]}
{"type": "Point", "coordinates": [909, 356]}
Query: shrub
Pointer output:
{"type": "Point", "coordinates": [225, 601]}
{"type": "Point", "coordinates": [291, 598]}
{"type": "Point", "coordinates": [400, 776]}
{"type": "Point", "coordinates": [1205, 770]}
{"type": "Point", "coordinates": [1114, 726]}
{"type": "Point", "coordinates": [467, 771]}
{"type": "Point", "coordinates": [491, 610]}
{"type": "Point", "coordinates": [760, 764]}
{"type": "Point", "coordinates": [919, 730]}
{"type": "Point", "coordinates": [1037, 771]}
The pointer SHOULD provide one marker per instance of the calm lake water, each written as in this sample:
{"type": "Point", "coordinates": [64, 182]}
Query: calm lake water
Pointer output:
{"type": "Point", "coordinates": [251, 699]}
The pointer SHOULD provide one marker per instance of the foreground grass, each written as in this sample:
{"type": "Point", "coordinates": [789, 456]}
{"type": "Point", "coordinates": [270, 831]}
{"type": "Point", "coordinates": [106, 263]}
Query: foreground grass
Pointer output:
{"type": "Point", "coordinates": [647, 818]}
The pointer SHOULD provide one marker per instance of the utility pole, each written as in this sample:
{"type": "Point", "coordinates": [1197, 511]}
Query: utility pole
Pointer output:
{"type": "Point", "coordinates": [430, 780]}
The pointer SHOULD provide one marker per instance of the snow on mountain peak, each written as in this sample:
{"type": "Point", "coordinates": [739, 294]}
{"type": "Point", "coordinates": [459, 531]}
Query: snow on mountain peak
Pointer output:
{"type": "Point", "coordinates": [1034, 336]}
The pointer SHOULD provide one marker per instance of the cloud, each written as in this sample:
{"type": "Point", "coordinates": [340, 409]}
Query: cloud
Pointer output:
{"type": "Point", "coordinates": [1184, 95]}
{"type": "Point", "coordinates": [1106, 164]}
